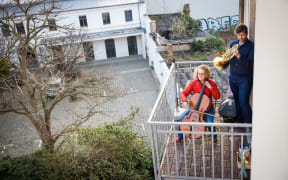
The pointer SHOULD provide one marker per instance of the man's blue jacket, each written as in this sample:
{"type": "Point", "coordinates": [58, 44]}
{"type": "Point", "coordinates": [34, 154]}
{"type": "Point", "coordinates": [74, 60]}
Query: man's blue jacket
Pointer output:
{"type": "Point", "coordinates": [244, 65]}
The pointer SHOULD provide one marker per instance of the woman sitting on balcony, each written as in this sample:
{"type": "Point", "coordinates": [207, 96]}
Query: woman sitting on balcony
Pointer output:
{"type": "Point", "coordinates": [202, 75]}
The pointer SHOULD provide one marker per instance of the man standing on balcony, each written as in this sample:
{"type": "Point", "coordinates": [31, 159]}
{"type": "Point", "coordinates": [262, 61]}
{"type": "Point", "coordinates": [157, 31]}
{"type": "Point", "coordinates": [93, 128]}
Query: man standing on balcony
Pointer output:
{"type": "Point", "coordinates": [241, 74]}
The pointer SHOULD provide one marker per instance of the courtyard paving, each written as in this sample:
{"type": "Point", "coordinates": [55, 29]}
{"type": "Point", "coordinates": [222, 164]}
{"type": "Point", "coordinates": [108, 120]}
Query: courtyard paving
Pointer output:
{"type": "Point", "coordinates": [131, 77]}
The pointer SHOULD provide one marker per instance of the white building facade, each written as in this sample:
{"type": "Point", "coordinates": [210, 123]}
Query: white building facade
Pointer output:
{"type": "Point", "coordinates": [111, 29]}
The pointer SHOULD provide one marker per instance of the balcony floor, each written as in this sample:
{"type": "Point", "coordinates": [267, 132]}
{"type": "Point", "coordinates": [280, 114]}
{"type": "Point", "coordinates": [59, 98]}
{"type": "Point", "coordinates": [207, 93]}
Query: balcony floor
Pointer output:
{"type": "Point", "coordinates": [200, 167]}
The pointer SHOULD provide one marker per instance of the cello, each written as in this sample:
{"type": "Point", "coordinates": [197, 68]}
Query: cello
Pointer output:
{"type": "Point", "coordinates": [199, 103]}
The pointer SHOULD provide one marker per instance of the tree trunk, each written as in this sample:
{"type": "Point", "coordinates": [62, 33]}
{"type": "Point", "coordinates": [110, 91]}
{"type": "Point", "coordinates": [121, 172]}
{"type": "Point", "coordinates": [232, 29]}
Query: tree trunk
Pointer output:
{"type": "Point", "coordinates": [49, 146]}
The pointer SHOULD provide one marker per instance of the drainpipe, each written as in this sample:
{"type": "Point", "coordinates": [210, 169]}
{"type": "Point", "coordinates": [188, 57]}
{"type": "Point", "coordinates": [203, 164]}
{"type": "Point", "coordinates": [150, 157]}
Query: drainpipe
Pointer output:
{"type": "Point", "coordinates": [139, 14]}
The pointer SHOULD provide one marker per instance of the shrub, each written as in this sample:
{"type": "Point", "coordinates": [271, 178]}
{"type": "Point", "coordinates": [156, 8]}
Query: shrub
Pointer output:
{"type": "Point", "coordinates": [119, 153]}
{"type": "Point", "coordinates": [184, 27]}
{"type": "Point", "coordinates": [4, 67]}
{"type": "Point", "coordinates": [109, 152]}
{"type": "Point", "coordinates": [42, 165]}
{"type": "Point", "coordinates": [197, 45]}
{"type": "Point", "coordinates": [209, 45]}
{"type": "Point", "coordinates": [214, 44]}
{"type": "Point", "coordinates": [191, 24]}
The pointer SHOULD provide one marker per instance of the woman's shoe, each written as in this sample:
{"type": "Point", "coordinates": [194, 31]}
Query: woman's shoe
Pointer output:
{"type": "Point", "coordinates": [179, 139]}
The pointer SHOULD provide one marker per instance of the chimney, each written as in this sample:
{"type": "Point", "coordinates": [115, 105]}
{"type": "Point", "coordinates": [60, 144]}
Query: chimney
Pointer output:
{"type": "Point", "coordinates": [170, 53]}
{"type": "Point", "coordinates": [186, 10]}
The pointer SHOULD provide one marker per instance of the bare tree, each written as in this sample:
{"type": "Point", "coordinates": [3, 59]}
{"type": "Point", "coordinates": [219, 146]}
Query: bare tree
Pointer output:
{"type": "Point", "coordinates": [39, 61]}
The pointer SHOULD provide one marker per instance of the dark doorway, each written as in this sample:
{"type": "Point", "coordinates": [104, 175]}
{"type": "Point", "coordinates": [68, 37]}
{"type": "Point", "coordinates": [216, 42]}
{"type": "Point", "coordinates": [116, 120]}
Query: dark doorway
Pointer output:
{"type": "Point", "coordinates": [88, 51]}
{"type": "Point", "coordinates": [132, 45]}
{"type": "Point", "coordinates": [110, 48]}
{"type": "Point", "coordinates": [28, 55]}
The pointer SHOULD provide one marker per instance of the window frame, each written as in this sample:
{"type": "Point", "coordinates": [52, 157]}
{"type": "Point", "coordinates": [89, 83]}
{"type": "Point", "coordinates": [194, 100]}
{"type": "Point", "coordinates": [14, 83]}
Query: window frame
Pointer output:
{"type": "Point", "coordinates": [20, 28]}
{"type": "Point", "coordinates": [52, 24]}
{"type": "Point", "coordinates": [126, 11]}
{"type": "Point", "coordinates": [83, 21]}
{"type": "Point", "coordinates": [104, 18]}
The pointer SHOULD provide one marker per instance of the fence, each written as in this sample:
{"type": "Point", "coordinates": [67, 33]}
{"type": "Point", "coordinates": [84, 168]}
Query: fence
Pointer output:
{"type": "Point", "coordinates": [194, 158]}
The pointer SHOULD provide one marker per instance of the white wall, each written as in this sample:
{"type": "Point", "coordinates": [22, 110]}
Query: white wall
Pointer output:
{"type": "Point", "coordinates": [99, 50]}
{"type": "Point", "coordinates": [199, 9]}
{"type": "Point", "coordinates": [93, 11]}
{"type": "Point", "coordinates": [121, 47]}
{"type": "Point", "coordinates": [139, 44]}
{"type": "Point", "coordinates": [143, 45]}
{"type": "Point", "coordinates": [211, 8]}
{"type": "Point", "coordinates": [155, 59]}
{"type": "Point", "coordinates": [270, 92]}
{"type": "Point", "coordinates": [71, 10]}
{"type": "Point", "coordinates": [214, 14]}
{"type": "Point", "coordinates": [95, 21]}
{"type": "Point", "coordinates": [165, 6]}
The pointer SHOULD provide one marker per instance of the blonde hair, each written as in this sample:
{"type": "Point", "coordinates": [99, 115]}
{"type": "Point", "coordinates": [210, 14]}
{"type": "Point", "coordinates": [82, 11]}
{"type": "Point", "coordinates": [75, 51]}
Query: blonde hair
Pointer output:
{"type": "Point", "coordinates": [206, 70]}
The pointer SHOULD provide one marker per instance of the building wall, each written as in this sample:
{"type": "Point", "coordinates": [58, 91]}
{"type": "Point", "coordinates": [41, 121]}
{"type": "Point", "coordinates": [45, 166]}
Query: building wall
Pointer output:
{"type": "Point", "coordinates": [95, 21]}
{"type": "Point", "coordinates": [211, 8]}
{"type": "Point", "coordinates": [139, 44]}
{"type": "Point", "coordinates": [156, 61]}
{"type": "Point", "coordinates": [270, 120]}
{"type": "Point", "coordinates": [199, 9]}
{"type": "Point", "coordinates": [95, 24]}
{"type": "Point", "coordinates": [117, 17]}
{"type": "Point", "coordinates": [121, 47]}
{"type": "Point", "coordinates": [93, 10]}
{"type": "Point", "coordinates": [213, 14]}
{"type": "Point", "coordinates": [99, 50]}
{"type": "Point", "coordinates": [249, 16]}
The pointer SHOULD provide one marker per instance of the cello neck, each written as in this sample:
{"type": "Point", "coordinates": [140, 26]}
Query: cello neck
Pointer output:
{"type": "Point", "coordinates": [200, 97]}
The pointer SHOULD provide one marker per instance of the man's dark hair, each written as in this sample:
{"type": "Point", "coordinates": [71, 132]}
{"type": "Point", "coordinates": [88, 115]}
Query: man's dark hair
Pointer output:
{"type": "Point", "coordinates": [241, 28]}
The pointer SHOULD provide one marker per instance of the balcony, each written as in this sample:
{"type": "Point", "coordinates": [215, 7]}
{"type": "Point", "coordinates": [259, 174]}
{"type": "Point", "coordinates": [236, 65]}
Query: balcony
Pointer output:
{"type": "Point", "coordinates": [195, 158]}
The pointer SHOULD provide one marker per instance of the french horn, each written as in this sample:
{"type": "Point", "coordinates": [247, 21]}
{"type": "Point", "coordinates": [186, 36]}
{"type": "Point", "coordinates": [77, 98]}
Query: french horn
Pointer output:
{"type": "Point", "coordinates": [221, 60]}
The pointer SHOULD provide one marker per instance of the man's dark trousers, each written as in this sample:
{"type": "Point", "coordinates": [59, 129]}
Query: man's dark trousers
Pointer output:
{"type": "Point", "coordinates": [241, 88]}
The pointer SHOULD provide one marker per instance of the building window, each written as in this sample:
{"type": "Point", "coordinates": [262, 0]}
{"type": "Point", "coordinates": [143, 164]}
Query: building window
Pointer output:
{"type": "Point", "coordinates": [20, 28]}
{"type": "Point", "coordinates": [106, 18]}
{"type": "Point", "coordinates": [5, 30]}
{"type": "Point", "coordinates": [83, 21]}
{"type": "Point", "coordinates": [128, 15]}
{"type": "Point", "coordinates": [52, 25]}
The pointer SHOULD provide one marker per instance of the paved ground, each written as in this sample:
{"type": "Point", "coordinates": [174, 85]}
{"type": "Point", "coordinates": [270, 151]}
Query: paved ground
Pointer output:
{"type": "Point", "coordinates": [131, 77]}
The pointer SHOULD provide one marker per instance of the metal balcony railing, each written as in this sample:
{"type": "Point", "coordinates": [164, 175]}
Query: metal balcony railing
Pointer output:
{"type": "Point", "coordinates": [194, 158]}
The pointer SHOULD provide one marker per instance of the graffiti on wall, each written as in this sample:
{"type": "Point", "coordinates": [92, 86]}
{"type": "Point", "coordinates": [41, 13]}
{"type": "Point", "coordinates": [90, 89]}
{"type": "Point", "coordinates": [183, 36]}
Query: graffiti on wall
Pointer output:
{"type": "Point", "coordinates": [220, 23]}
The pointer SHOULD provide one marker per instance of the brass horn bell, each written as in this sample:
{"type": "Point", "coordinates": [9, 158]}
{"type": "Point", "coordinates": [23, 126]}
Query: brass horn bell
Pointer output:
{"type": "Point", "coordinates": [221, 60]}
